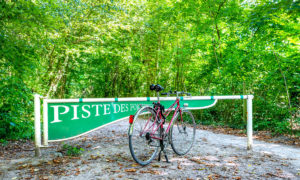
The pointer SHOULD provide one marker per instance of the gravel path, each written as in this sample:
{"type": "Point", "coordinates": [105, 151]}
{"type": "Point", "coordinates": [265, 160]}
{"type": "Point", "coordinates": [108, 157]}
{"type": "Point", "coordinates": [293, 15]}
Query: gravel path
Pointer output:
{"type": "Point", "coordinates": [107, 156]}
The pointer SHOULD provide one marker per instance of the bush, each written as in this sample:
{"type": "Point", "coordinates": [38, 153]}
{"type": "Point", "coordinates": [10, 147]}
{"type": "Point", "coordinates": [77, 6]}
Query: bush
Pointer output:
{"type": "Point", "coordinates": [16, 110]}
{"type": "Point", "coordinates": [267, 115]}
{"type": "Point", "coordinates": [70, 150]}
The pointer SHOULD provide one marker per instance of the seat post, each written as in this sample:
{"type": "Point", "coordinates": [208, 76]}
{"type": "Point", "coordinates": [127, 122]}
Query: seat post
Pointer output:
{"type": "Point", "coordinates": [157, 93]}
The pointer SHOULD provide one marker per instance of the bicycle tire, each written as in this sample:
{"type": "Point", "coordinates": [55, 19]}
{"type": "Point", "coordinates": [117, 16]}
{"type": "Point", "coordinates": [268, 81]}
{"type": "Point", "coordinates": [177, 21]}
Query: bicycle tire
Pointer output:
{"type": "Point", "coordinates": [182, 136]}
{"type": "Point", "coordinates": [142, 150]}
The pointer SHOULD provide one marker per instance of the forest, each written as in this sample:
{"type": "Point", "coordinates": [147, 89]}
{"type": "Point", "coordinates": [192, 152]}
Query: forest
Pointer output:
{"type": "Point", "coordinates": [117, 48]}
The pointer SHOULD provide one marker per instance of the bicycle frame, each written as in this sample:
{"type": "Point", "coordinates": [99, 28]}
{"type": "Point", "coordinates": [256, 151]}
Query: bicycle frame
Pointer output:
{"type": "Point", "coordinates": [158, 116]}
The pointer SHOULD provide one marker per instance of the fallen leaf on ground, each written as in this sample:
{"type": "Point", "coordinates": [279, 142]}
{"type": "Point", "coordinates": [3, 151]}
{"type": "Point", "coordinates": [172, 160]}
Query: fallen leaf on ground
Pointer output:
{"type": "Point", "coordinates": [270, 174]}
{"type": "Point", "coordinates": [210, 177]}
{"type": "Point", "coordinates": [155, 165]}
{"type": "Point", "coordinates": [134, 165]}
{"type": "Point", "coordinates": [213, 176]}
{"type": "Point", "coordinates": [199, 169]}
{"type": "Point", "coordinates": [57, 161]}
{"type": "Point", "coordinates": [150, 171]}
{"type": "Point", "coordinates": [84, 162]}
{"type": "Point", "coordinates": [130, 170]}
{"type": "Point", "coordinates": [120, 164]}
{"type": "Point", "coordinates": [115, 171]}
{"type": "Point", "coordinates": [88, 146]}
{"type": "Point", "coordinates": [75, 157]}
{"type": "Point", "coordinates": [110, 160]}
{"type": "Point", "coordinates": [237, 178]}
{"type": "Point", "coordinates": [197, 161]}
{"type": "Point", "coordinates": [23, 166]}
{"type": "Point", "coordinates": [92, 157]}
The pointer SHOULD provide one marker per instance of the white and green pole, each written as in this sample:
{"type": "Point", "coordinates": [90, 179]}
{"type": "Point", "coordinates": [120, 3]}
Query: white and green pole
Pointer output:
{"type": "Point", "coordinates": [249, 122]}
{"type": "Point", "coordinates": [37, 124]}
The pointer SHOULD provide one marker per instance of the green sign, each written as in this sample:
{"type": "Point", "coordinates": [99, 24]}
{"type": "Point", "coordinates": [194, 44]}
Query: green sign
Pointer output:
{"type": "Point", "coordinates": [70, 119]}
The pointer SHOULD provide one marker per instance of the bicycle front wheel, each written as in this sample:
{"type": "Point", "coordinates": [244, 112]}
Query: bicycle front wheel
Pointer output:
{"type": "Point", "coordinates": [142, 147]}
{"type": "Point", "coordinates": [182, 132]}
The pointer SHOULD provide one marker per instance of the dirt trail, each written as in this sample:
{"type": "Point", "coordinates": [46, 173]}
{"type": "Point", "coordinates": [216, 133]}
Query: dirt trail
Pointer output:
{"type": "Point", "coordinates": [107, 156]}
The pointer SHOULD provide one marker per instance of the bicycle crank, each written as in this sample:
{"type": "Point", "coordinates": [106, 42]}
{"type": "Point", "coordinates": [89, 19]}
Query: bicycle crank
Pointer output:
{"type": "Point", "coordinates": [148, 137]}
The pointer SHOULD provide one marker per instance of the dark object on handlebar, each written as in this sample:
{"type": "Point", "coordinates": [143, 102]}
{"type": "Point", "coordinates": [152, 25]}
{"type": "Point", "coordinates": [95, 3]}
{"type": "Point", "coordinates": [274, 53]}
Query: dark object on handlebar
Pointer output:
{"type": "Point", "coordinates": [152, 87]}
{"type": "Point", "coordinates": [156, 87]}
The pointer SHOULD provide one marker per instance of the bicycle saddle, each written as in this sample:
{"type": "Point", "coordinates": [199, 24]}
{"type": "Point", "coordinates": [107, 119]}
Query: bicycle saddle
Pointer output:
{"type": "Point", "coordinates": [156, 87]}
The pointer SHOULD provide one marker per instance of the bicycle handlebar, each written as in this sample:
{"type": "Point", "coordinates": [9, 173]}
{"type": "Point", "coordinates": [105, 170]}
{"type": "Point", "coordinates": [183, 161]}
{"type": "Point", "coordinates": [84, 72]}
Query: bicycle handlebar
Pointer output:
{"type": "Point", "coordinates": [176, 92]}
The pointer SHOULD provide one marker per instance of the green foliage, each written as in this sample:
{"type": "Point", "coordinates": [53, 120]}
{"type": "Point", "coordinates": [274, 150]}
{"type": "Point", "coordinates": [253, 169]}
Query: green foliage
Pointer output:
{"type": "Point", "coordinates": [117, 48]}
{"type": "Point", "coordinates": [3, 142]}
{"type": "Point", "coordinates": [16, 110]}
{"type": "Point", "coordinates": [70, 150]}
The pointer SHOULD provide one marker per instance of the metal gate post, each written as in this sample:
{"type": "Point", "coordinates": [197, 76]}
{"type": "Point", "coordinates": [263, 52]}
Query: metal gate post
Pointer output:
{"type": "Point", "coordinates": [37, 125]}
{"type": "Point", "coordinates": [249, 123]}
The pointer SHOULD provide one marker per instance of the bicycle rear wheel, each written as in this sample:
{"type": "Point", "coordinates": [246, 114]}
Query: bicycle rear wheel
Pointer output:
{"type": "Point", "coordinates": [182, 132]}
{"type": "Point", "coordinates": [142, 147]}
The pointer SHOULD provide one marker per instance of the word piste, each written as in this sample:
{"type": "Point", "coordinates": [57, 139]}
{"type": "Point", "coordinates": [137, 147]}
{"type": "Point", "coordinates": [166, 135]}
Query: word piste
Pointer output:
{"type": "Point", "coordinates": [77, 111]}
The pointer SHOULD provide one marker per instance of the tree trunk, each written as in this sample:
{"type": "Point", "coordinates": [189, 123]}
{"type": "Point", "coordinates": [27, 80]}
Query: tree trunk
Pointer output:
{"type": "Point", "coordinates": [57, 78]}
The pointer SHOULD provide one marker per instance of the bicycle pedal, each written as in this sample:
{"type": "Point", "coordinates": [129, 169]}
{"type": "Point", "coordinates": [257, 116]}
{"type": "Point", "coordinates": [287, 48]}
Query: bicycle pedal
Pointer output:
{"type": "Point", "coordinates": [148, 136]}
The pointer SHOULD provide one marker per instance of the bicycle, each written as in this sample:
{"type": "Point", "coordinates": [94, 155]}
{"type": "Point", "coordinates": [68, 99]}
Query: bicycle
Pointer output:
{"type": "Point", "coordinates": [147, 129]}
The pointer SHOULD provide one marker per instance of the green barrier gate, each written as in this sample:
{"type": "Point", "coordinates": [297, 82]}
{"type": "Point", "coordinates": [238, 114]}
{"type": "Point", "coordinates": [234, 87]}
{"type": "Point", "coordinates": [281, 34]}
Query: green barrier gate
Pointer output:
{"type": "Point", "coordinates": [69, 118]}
